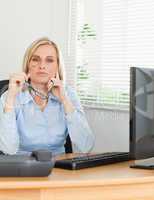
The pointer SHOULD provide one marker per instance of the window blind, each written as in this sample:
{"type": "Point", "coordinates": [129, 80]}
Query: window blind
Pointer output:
{"type": "Point", "coordinates": [140, 38]}
{"type": "Point", "coordinates": [107, 37]}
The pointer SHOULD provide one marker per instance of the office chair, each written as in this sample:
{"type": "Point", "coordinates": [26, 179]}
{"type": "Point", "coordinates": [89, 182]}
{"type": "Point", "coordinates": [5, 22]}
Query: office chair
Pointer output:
{"type": "Point", "coordinates": [68, 145]}
{"type": "Point", "coordinates": [3, 86]}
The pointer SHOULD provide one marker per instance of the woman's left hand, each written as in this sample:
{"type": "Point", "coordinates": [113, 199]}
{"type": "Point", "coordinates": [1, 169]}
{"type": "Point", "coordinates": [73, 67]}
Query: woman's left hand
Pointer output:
{"type": "Point", "coordinates": [56, 86]}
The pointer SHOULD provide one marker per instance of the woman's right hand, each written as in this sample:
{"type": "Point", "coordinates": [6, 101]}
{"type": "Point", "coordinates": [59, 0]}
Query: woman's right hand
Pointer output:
{"type": "Point", "coordinates": [15, 86]}
{"type": "Point", "coordinates": [16, 83]}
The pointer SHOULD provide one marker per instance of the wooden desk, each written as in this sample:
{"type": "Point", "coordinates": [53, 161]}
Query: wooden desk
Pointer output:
{"type": "Point", "coordinates": [116, 181]}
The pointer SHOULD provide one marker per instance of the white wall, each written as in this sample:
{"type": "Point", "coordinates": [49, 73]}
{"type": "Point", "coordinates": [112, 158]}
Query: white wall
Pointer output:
{"type": "Point", "coordinates": [23, 21]}
{"type": "Point", "coordinates": [111, 129]}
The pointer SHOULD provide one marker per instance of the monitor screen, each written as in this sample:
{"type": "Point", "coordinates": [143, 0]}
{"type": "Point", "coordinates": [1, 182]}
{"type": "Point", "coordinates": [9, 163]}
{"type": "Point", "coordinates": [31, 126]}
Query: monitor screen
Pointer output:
{"type": "Point", "coordinates": [141, 113]}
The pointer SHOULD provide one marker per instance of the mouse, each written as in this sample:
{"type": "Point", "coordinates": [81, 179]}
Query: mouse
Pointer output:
{"type": "Point", "coordinates": [42, 155]}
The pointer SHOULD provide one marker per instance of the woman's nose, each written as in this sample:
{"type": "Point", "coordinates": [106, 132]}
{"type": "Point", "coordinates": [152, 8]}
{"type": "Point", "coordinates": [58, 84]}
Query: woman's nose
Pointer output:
{"type": "Point", "coordinates": [42, 66]}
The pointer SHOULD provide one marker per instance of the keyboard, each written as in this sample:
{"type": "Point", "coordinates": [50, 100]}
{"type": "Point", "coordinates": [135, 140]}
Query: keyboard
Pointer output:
{"type": "Point", "coordinates": [91, 160]}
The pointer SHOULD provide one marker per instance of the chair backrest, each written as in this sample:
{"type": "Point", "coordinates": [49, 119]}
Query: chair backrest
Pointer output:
{"type": "Point", "coordinates": [3, 86]}
{"type": "Point", "coordinates": [68, 145]}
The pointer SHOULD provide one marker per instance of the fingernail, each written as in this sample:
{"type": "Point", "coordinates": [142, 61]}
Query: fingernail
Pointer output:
{"type": "Point", "coordinates": [52, 82]}
{"type": "Point", "coordinates": [17, 82]}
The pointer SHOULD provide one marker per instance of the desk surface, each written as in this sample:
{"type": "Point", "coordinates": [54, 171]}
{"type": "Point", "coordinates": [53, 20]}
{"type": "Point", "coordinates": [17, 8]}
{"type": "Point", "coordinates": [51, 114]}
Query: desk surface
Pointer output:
{"type": "Point", "coordinates": [104, 175]}
{"type": "Point", "coordinates": [114, 180]}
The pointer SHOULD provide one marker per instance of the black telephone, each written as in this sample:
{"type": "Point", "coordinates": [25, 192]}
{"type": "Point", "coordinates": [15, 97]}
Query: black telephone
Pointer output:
{"type": "Point", "coordinates": [39, 163]}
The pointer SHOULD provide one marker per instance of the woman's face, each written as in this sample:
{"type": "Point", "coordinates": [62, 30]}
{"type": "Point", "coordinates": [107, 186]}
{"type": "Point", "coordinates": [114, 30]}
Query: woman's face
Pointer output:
{"type": "Point", "coordinates": [43, 64]}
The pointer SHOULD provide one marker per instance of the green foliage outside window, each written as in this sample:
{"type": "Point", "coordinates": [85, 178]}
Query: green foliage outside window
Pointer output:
{"type": "Point", "coordinates": [98, 95]}
{"type": "Point", "coordinates": [86, 33]}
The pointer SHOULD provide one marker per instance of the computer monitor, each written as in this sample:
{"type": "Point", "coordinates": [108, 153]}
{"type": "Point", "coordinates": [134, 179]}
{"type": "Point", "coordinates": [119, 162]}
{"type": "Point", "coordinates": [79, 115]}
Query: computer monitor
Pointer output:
{"type": "Point", "coordinates": [141, 113]}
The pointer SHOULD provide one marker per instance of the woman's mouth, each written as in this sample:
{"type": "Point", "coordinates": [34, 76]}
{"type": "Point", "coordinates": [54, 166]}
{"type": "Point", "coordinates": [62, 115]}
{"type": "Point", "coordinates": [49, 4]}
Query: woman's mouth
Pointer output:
{"type": "Point", "coordinates": [42, 74]}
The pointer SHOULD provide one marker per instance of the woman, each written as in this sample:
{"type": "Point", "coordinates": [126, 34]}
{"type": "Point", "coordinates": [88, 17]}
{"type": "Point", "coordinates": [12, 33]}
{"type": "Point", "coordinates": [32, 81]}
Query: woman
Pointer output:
{"type": "Point", "coordinates": [38, 111]}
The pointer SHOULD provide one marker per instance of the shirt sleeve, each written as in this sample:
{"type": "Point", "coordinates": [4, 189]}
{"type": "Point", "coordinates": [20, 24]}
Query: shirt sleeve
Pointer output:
{"type": "Point", "coordinates": [9, 137]}
{"type": "Point", "coordinates": [77, 125]}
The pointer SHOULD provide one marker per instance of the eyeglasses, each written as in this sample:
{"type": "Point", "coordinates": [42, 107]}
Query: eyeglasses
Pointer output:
{"type": "Point", "coordinates": [36, 61]}
{"type": "Point", "coordinates": [35, 92]}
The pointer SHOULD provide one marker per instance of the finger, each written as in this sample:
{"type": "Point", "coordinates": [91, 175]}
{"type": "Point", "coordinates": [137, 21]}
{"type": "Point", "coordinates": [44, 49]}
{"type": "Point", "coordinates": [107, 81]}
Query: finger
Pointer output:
{"type": "Point", "coordinates": [55, 82]}
{"type": "Point", "coordinates": [50, 85]}
{"type": "Point", "coordinates": [52, 82]}
{"type": "Point", "coordinates": [25, 76]}
{"type": "Point", "coordinates": [18, 82]}
{"type": "Point", "coordinates": [19, 78]}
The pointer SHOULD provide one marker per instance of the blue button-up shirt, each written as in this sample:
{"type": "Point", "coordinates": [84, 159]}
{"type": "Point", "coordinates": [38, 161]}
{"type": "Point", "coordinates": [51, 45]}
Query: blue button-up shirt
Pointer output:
{"type": "Point", "coordinates": [27, 128]}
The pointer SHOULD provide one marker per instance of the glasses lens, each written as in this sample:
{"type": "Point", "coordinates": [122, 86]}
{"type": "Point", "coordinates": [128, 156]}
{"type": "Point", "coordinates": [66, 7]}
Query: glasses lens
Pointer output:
{"type": "Point", "coordinates": [35, 61]}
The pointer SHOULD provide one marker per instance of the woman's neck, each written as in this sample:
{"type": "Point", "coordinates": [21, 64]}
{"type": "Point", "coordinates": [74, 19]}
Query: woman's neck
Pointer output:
{"type": "Point", "coordinates": [41, 103]}
{"type": "Point", "coordinates": [40, 87]}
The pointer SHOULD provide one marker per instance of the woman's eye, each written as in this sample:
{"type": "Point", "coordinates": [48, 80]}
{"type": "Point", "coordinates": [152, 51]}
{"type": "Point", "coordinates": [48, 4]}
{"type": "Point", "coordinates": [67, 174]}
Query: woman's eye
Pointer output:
{"type": "Point", "coordinates": [35, 59]}
{"type": "Point", "coordinates": [50, 60]}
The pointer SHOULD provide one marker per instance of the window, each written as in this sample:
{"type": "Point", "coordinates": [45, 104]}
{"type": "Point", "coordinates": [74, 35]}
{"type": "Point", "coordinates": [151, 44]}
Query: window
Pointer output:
{"type": "Point", "coordinates": [107, 37]}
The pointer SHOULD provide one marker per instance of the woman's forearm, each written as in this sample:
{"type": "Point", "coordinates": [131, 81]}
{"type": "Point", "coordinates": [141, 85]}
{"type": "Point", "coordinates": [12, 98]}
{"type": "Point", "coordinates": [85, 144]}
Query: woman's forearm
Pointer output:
{"type": "Point", "coordinates": [68, 106]}
{"type": "Point", "coordinates": [9, 103]}
{"type": "Point", "coordinates": [80, 132]}
{"type": "Point", "coordinates": [9, 138]}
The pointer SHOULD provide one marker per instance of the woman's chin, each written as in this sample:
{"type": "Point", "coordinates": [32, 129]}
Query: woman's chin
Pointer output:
{"type": "Point", "coordinates": [41, 80]}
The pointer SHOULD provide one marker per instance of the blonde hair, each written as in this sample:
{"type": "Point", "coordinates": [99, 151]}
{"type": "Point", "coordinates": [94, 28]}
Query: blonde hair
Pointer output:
{"type": "Point", "coordinates": [32, 48]}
